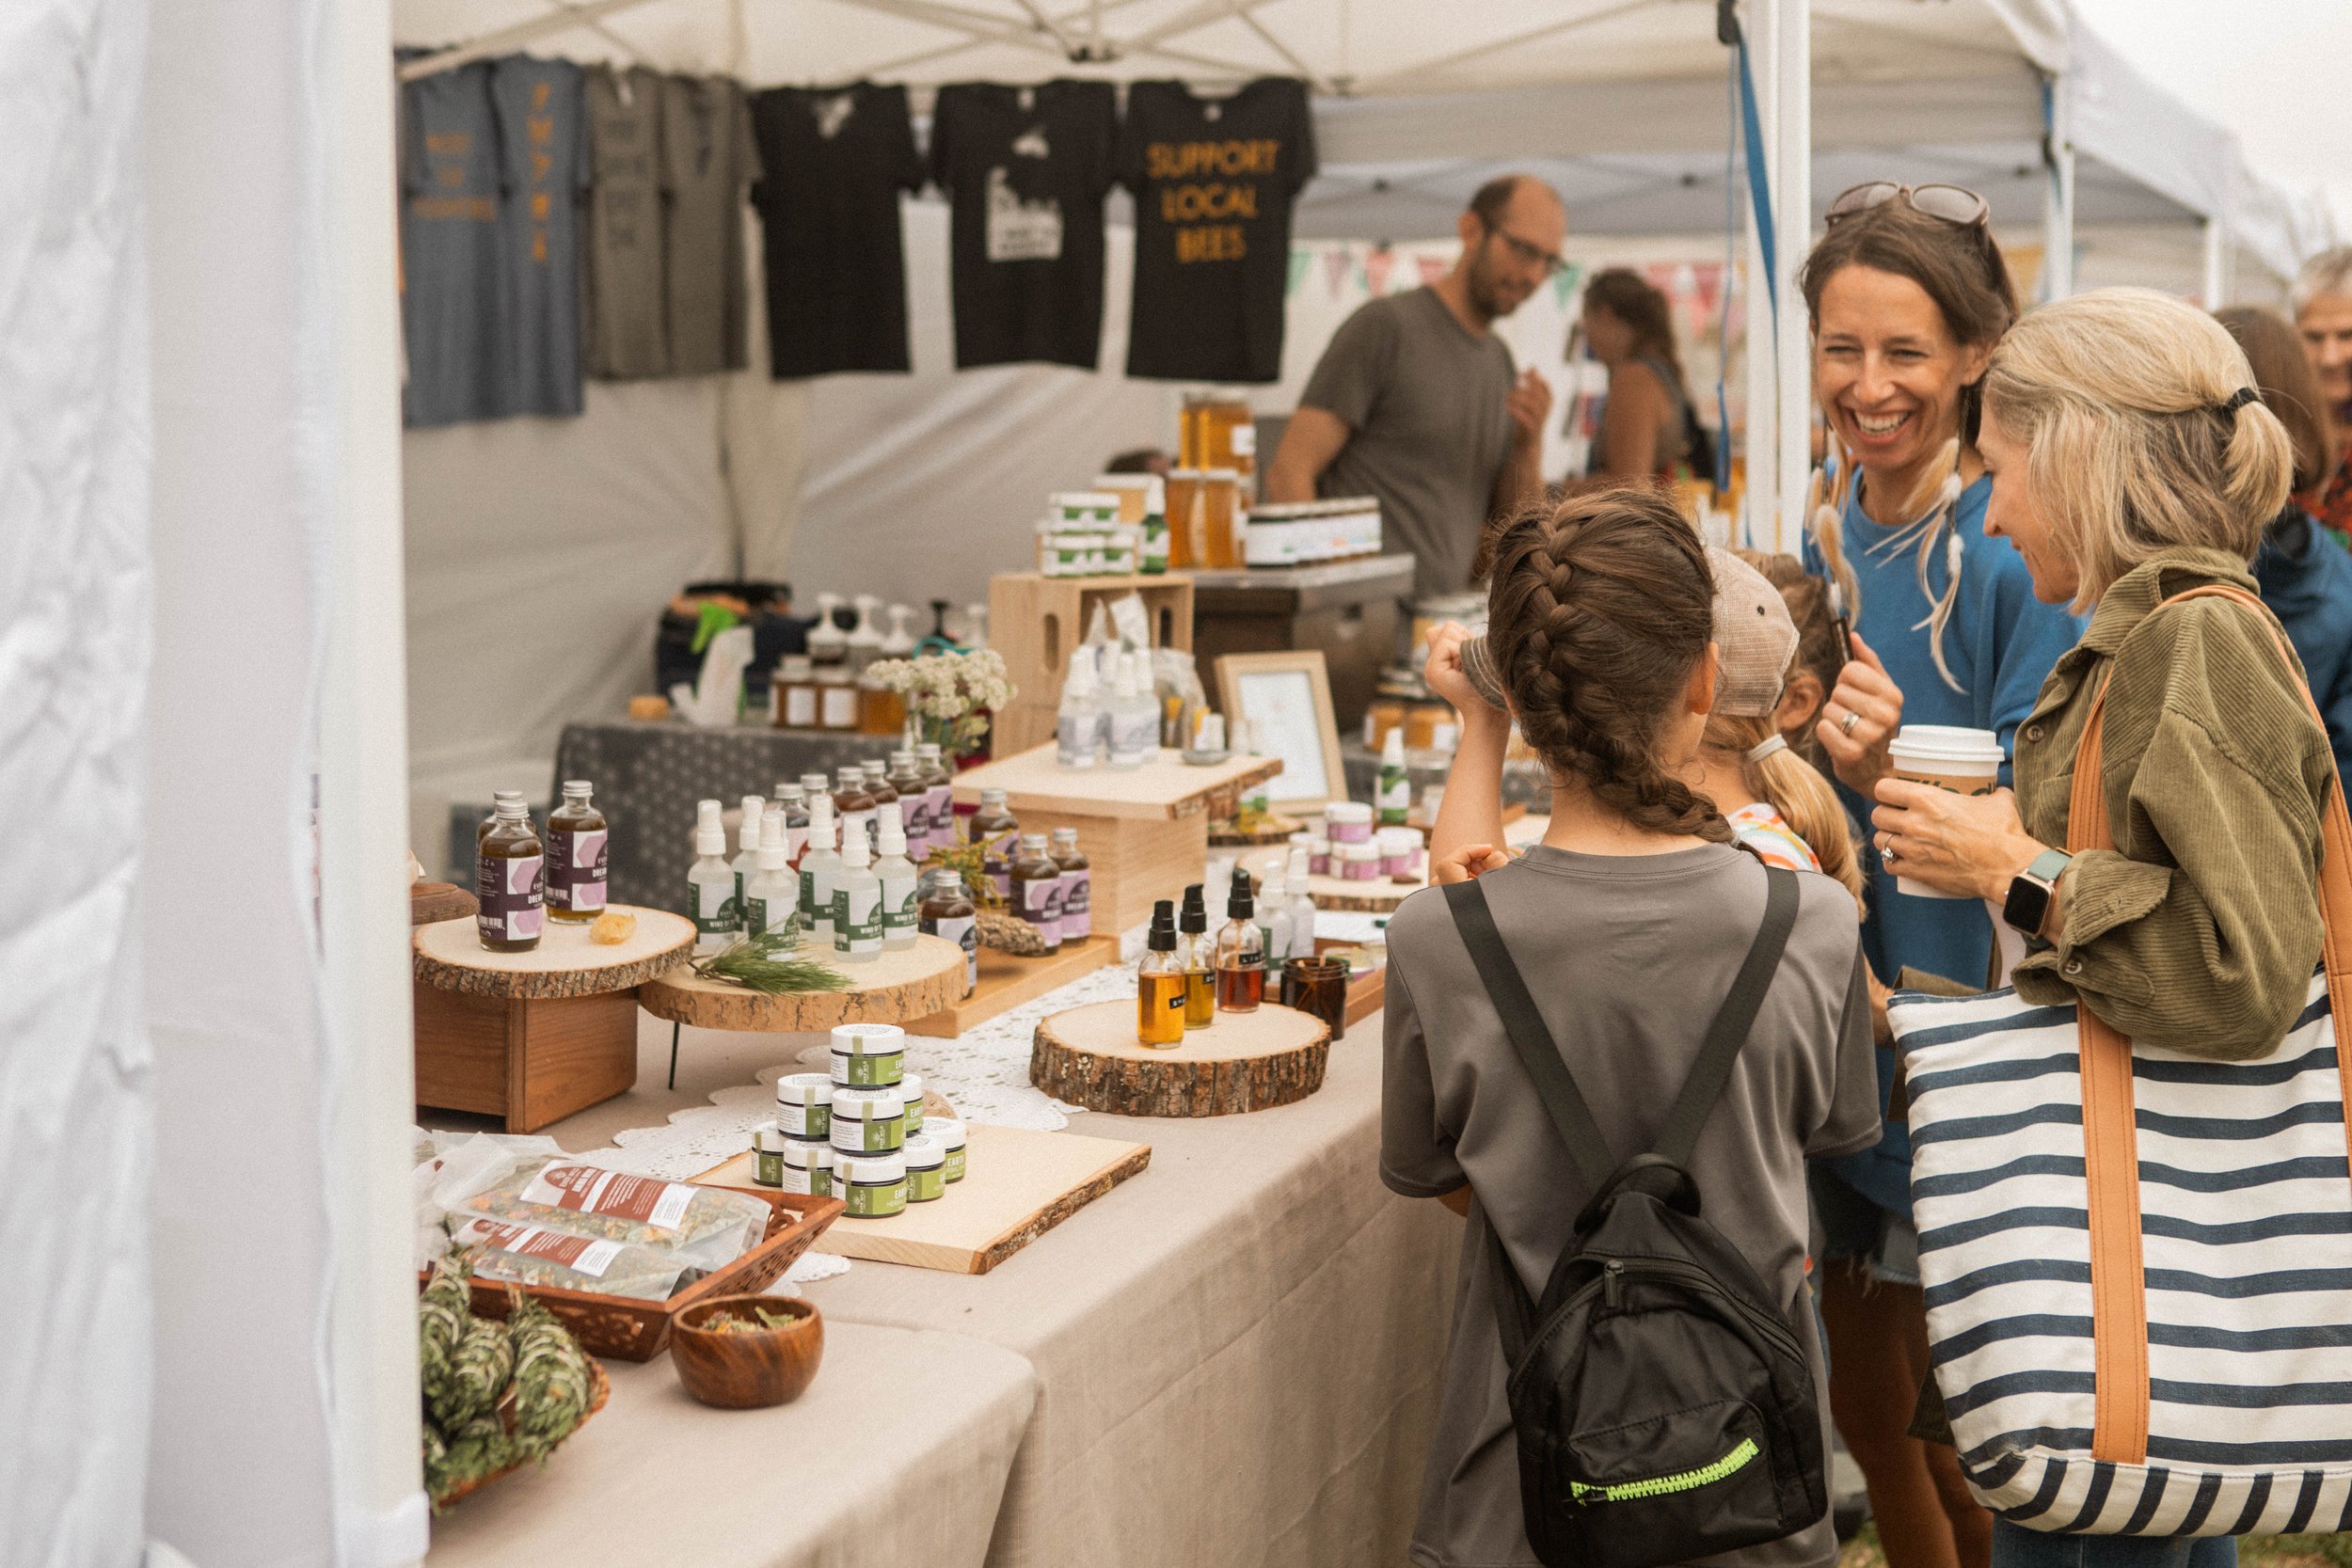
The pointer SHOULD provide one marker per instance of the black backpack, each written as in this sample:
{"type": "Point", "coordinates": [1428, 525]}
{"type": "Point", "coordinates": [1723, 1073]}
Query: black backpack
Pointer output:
{"type": "Point", "coordinates": [1663, 1406]}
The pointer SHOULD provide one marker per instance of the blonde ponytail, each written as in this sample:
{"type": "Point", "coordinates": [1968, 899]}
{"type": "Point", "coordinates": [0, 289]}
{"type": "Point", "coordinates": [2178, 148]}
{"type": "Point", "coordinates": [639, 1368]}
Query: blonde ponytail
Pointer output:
{"type": "Point", "coordinates": [2253, 453]}
{"type": "Point", "coordinates": [1796, 789]}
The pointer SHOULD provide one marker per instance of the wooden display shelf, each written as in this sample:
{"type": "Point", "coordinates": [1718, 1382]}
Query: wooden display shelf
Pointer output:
{"type": "Point", "coordinates": [1034, 621]}
{"type": "Point", "coordinates": [1007, 981]}
{"type": "Point", "coordinates": [533, 1036]}
{"type": "Point", "coordinates": [1144, 830]}
{"type": "Point", "coordinates": [1250, 1061]}
{"type": "Point", "coordinates": [901, 983]}
{"type": "Point", "coordinates": [1018, 1185]}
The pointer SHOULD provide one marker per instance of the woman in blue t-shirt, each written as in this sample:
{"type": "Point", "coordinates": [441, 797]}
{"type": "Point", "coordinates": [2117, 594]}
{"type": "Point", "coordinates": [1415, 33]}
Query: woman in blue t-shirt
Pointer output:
{"type": "Point", "coordinates": [1907, 295]}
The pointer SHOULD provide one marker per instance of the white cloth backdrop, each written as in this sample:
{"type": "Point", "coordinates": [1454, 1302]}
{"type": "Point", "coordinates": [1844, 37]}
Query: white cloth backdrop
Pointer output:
{"type": "Point", "coordinates": [75, 581]}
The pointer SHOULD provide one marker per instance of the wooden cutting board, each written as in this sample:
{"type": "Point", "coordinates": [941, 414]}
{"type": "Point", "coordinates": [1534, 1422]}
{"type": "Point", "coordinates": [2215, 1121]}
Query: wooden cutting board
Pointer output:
{"type": "Point", "coordinates": [1018, 1185]}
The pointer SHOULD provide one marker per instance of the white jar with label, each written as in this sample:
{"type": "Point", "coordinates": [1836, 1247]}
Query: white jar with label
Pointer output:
{"type": "Point", "coordinates": [808, 1167]}
{"type": "Point", "coordinates": [950, 1136]}
{"type": "Point", "coordinates": [805, 1105]}
{"type": "Point", "coordinates": [867, 1055]}
{"type": "Point", "coordinates": [874, 1186]}
{"type": "Point", "coordinates": [869, 1121]}
{"type": "Point", "coordinates": [927, 1169]}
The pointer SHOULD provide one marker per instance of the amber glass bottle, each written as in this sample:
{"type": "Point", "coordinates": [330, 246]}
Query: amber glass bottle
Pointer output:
{"type": "Point", "coordinates": [510, 882]}
{"type": "Point", "coordinates": [947, 911]}
{"type": "Point", "coordinates": [576, 844]}
{"type": "Point", "coordinates": [998, 833]}
{"type": "Point", "coordinates": [1160, 985]}
{"type": "Point", "coordinates": [1197, 955]}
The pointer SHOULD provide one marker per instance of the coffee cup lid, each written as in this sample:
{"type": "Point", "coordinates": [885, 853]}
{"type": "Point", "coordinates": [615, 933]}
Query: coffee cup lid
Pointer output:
{"type": "Point", "coordinates": [1948, 743]}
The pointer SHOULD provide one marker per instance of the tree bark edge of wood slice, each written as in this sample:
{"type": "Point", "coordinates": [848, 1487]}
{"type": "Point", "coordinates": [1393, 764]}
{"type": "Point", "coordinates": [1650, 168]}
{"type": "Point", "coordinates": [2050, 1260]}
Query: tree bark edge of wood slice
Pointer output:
{"type": "Point", "coordinates": [1174, 1085]}
{"type": "Point", "coordinates": [710, 1005]}
{"type": "Point", "coordinates": [546, 985]}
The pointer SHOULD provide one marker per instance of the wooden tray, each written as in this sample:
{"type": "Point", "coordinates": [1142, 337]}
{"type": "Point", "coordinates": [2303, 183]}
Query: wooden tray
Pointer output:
{"type": "Point", "coordinates": [627, 1329]}
{"type": "Point", "coordinates": [1008, 981]}
{"type": "Point", "coordinates": [1250, 1061]}
{"type": "Point", "coordinates": [600, 1390]}
{"type": "Point", "coordinates": [1276, 829]}
{"type": "Point", "coordinates": [450, 956]}
{"type": "Point", "coordinates": [1020, 1184]}
{"type": "Point", "coordinates": [900, 984]}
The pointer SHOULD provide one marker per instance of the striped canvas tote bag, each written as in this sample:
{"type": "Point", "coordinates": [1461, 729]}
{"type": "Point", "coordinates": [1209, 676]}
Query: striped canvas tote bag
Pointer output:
{"type": "Point", "coordinates": [2138, 1263]}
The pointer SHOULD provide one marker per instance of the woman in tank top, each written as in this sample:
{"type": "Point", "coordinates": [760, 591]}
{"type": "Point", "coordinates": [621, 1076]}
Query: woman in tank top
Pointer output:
{"type": "Point", "coordinates": [1645, 419]}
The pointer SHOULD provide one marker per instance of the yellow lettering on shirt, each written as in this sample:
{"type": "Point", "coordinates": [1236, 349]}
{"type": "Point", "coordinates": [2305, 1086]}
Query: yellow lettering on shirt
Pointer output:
{"type": "Point", "coordinates": [448, 144]}
{"type": "Point", "coordinates": [542, 204]}
{"type": "Point", "coordinates": [1212, 242]}
{"type": "Point", "coordinates": [540, 128]}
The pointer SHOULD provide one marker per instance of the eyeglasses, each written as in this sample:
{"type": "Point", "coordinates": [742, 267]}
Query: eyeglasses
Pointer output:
{"type": "Point", "coordinates": [1954, 204]}
{"type": "Point", "coordinates": [1550, 261]}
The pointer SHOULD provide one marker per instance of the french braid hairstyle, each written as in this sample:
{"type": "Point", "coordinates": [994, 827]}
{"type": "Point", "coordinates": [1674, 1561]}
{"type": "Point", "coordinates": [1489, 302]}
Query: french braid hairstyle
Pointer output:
{"type": "Point", "coordinates": [1599, 611]}
{"type": "Point", "coordinates": [1962, 270]}
{"type": "Point", "coordinates": [1800, 795]}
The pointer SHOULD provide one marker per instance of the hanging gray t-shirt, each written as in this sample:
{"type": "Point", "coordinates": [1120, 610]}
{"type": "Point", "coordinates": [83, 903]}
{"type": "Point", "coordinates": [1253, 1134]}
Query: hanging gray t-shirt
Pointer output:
{"type": "Point", "coordinates": [543, 138]}
{"type": "Point", "coordinates": [1424, 399]}
{"type": "Point", "coordinates": [708, 160]}
{"type": "Point", "coordinates": [451, 301]}
{"type": "Point", "coordinates": [1628, 959]}
{"type": "Point", "coordinates": [623, 298]}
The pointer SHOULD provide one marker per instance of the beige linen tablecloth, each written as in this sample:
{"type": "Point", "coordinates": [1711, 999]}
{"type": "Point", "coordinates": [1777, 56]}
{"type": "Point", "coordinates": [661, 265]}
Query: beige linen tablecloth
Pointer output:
{"type": "Point", "coordinates": [896, 1454]}
{"type": "Point", "coordinates": [1237, 1351]}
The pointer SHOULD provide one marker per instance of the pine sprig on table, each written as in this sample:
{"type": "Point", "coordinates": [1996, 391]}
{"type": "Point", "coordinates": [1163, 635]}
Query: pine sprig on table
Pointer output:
{"type": "Point", "coordinates": [769, 963]}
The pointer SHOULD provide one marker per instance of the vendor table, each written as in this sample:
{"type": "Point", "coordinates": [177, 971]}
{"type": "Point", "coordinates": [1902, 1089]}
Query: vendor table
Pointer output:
{"type": "Point", "coordinates": [1346, 609]}
{"type": "Point", "coordinates": [648, 774]}
{"type": "Point", "coordinates": [896, 1454]}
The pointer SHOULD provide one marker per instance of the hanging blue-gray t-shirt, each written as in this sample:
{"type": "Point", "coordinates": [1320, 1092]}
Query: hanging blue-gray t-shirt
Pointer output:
{"type": "Point", "coordinates": [451, 301]}
{"type": "Point", "coordinates": [544, 154]}
{"type": "Point", "coordinates": [1999, 642]}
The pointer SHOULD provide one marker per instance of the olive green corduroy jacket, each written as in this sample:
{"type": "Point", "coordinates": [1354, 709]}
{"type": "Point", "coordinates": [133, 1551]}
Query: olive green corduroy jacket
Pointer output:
{"type": "Point", "coordinates": [2200, 931]}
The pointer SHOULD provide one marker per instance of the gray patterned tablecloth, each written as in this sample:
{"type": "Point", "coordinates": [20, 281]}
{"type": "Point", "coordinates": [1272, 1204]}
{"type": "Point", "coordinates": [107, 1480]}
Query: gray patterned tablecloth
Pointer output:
{"type": "Point", "coordinates": [649, 774]}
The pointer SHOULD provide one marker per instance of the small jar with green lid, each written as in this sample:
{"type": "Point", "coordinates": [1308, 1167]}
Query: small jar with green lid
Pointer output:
{"type": "Point", "coordinates": [927, 1169]}
{"type": "Point", "coordinates": [768, 1141]}
{"type": "Point", "coordinates": [911, 1091]}
{"type": "Point", "coordinates": [949, 1135]}
{"type": "Point", "coordinates": [874, 1186]}
{"type": "Point", "coordinates": [805, 1105]}
{"type": "Point", "coordinates": [867, 1055]}
{"type": "Point", "coordinates": [869, 1121]}
{"type": "Point", "coordinates": [808, 1167]}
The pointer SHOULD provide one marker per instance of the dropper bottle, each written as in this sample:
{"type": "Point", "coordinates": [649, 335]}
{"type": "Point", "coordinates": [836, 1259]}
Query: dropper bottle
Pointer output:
{"type": "Point", "coordinates": [821, 868]}
{"type": "Point", "coordinates": [710, 881]}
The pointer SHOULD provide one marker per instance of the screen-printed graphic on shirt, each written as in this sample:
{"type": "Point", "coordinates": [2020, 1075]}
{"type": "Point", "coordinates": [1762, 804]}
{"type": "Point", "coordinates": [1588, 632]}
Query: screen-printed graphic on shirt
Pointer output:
{"type": "Point", "coordinates": [451, 303]}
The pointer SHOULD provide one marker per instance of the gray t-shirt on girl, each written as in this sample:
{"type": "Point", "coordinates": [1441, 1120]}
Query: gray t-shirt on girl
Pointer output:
{"type": "Point", "coordinates": [1627, 958]}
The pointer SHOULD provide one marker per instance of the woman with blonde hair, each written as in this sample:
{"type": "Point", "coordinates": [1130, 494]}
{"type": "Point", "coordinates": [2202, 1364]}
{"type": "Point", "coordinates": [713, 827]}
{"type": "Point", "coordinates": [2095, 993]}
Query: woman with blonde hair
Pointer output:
{"type": "Point", "coordinates": [2132, 460]}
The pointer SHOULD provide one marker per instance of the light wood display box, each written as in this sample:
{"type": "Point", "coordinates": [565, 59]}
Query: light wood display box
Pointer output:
{"type": "Point", "coordinates": [1145, 830]}
{"type": "Point", "coordinates": [1033, 622]}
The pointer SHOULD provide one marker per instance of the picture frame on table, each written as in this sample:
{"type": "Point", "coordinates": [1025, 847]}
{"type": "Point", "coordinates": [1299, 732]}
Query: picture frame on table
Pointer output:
{"type": "Point", "coordinates": [1287, 695]}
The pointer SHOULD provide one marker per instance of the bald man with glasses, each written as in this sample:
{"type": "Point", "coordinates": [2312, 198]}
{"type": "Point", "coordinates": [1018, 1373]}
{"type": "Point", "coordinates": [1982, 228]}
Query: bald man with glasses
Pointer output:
{"type": "Point", "coordinates": [1417, 402]}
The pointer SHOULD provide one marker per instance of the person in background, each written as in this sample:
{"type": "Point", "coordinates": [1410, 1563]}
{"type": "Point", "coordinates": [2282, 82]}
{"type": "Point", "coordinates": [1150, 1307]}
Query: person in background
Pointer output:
{"type": "Point", "coordinates": [1645, 419]}
{"type": "Point", "coordinates": [1415, 401]}
{"type": "Point", "coordinates": [2322, 299]}
{"type": "Point", "coordinates": [1907, 295]}
{"type": "Point", "coordinates": [2131, 461]}
{"type": "Point", "coordinates": [1142, 460]}
{"type": "Point", "coordinates": [2305, 573]}
{"type": "Point", "coordinates": [1628, 921]}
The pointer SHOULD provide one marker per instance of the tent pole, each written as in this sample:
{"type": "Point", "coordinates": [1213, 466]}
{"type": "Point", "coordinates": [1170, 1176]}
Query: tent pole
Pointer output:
{"type": "Point", "coordinates": [1760, 19]}
{"type": "Point", "coordinates": [1792, 216]}
{"type": "Point", "coordinates": [2058, 205]}
{"type": "Point", "coordinates": [505, 40]}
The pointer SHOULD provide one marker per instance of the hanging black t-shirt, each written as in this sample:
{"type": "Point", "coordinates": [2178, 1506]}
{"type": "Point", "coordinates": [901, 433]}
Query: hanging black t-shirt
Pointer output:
{"type": "Point", "coordinates": [833, 162]}
{"type": "Point", "coordinates": [1213, 181]}
{"type": "Point", "coordinates": [1026, 169]}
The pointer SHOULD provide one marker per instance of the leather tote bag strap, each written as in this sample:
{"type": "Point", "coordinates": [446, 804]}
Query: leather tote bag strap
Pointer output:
{"type": "Point", "coordinates": [2110, 1153]}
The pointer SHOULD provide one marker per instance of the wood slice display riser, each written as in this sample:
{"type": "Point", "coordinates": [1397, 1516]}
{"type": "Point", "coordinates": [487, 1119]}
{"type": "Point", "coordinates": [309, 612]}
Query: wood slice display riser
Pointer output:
{"type": "Point", "coordinates": [899, 985]}
{"type": "Point", "coordinates": [1245, 1062]}
{"type": "Point", "coordinates": [449, 956]}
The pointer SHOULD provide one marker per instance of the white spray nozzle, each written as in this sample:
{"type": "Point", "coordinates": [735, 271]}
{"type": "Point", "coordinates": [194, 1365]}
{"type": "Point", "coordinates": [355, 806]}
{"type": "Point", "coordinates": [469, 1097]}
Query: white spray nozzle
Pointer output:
{"type": "Point", "coordinates": [1392, 749]}
{"type": "Point", "coordinates": [755, 807]}
{"type": "Point", "coordinates": [857, 851]}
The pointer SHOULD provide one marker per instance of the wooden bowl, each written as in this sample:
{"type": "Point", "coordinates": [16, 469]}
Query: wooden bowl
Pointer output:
{"type": "Point", "coordinates": [747, 1371]}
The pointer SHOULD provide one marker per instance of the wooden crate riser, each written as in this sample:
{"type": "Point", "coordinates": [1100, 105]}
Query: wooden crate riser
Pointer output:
{"type": "Point", "coordinates": [530, 1060]}
{"type": "Point", "coordinates": [1134, 861]}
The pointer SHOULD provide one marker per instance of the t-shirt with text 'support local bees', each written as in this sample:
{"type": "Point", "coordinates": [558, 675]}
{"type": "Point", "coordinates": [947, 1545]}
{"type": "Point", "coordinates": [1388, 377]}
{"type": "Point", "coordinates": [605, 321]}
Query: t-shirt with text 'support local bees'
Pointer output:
{"type": "Point", "coordinates": [1628, 958]}
{"type": "Point", "coordinates": [1213, 181]}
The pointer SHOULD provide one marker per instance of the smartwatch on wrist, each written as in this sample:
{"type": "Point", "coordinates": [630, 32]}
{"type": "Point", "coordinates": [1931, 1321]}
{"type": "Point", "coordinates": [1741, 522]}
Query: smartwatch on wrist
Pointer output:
{"type": "Point", "coordinates": [2027, 906]}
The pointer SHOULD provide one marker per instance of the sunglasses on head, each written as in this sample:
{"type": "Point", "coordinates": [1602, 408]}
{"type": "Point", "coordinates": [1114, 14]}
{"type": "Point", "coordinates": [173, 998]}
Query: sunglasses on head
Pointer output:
{"type": "Point", "coordinates": [1954, 204]}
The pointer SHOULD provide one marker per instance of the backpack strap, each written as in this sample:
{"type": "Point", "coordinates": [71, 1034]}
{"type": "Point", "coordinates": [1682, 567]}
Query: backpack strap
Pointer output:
{"type": "Point", "coordinates": [1713, 1071]}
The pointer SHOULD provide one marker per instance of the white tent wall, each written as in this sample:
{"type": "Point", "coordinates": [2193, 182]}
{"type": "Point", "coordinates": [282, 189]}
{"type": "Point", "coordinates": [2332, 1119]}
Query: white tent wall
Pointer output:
{"type": "Point", "coordinates": [76, 1081]}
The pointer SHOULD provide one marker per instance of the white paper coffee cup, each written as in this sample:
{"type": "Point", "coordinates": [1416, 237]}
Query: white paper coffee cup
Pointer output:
{"type": "Point", "coordinates": [1964, 761]}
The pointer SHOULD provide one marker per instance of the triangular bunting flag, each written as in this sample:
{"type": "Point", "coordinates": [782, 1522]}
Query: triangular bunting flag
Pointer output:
{"type": "Point", "coordinates": [1338, 261]}
{"type": "Point", "coordinates": [1563, 283]}
{"type": "Point", "coordinates": [1376, 265]}
{"type": "Point", "coordinates": [1301, 259]}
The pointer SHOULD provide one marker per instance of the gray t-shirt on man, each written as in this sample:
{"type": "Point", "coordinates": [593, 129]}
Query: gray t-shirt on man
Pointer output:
{"type": "Point", "coordinates": [1627, 958]}
{"type": "Point", "coordinates": [1424, 397]}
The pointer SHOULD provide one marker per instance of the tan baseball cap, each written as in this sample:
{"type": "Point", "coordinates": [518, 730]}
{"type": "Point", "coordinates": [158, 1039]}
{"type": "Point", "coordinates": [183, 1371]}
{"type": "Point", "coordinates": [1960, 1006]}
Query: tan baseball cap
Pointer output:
{"type": "Point", "coordinates": [1755, 634]}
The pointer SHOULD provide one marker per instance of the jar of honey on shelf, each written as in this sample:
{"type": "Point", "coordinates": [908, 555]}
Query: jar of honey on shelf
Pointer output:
{"type": "Point", "coordinates": [1186, 540]}
{"type": "Point", "coordinates": [1223, 515]}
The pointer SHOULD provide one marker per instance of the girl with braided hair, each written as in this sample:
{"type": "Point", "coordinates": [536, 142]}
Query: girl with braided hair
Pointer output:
{"type": "Point", "coordinates": [1628, 921]}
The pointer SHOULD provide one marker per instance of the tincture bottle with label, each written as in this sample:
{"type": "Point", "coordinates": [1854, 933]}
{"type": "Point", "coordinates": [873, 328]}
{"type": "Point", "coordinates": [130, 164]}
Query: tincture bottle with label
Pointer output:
{"type": "Point", "coordinates": [886, 794]}
{"type": "Point", "coordinates": [857, 904]}
{"type": "Point", "coordinates": [853, 807]}
{"type": "Point", "coordinates": [575, 846]}
{"type": "Point", "coordinates": [946, 912]}
{"type": "Point", "coordinates": [914, 803]}
{"type": "Point", "coordinates": [1077, 886]}
{"type": "Point", "coordinates": [1394, 799]}
{"type": "Point", "coordinates": [1160, 983]}
{"type": "Point", "coordinates": [1240, 952]}
{"type": "Point", "coordinates": [794, 802]}
{"type": "Point", "coordinates": [1037, 890]}
{"type": "Point", "coordinates": [746, 862]}
{"type": "Point", "coordinates": [498, 799]}
{"type": "Point", "coordinates": [774, 892]}
{"type": "Point", "coordinates": [710, 883]}
{"type": "Point", "coordinates": [821, 867]}
{"type": "Point", "coordinates": [998, 831]}
{"type": "Point", "coordinates": [896, 874]}
{"type": "Point", "coordinates": [510, 881]}
{"type": "Point", "coordinates": [939, 800]}
{"type": "Point", "coordinates": [1199, 952]}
